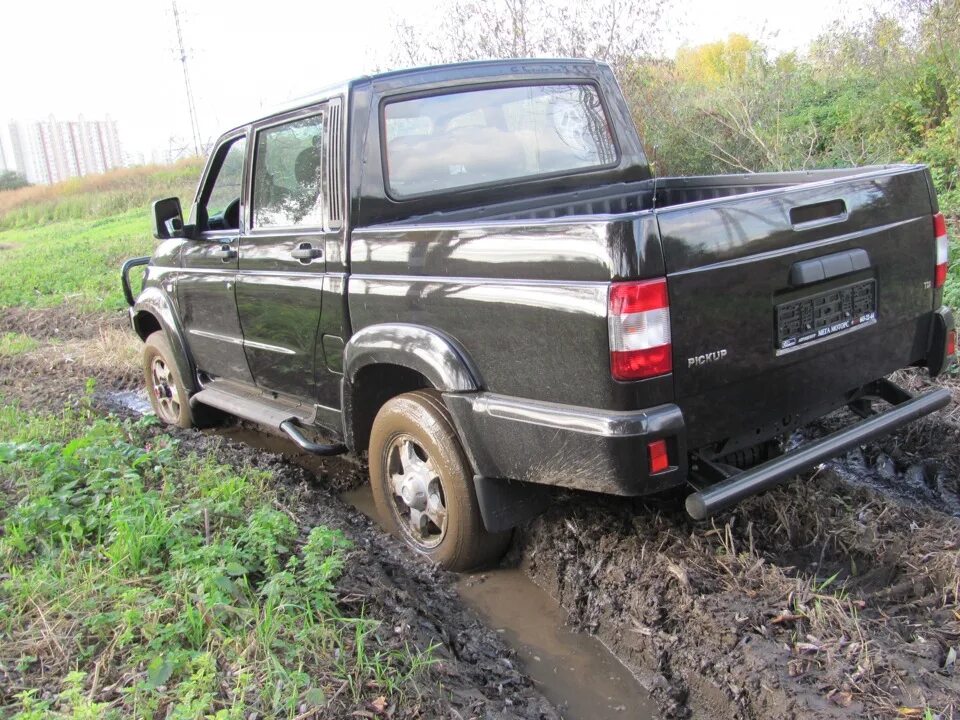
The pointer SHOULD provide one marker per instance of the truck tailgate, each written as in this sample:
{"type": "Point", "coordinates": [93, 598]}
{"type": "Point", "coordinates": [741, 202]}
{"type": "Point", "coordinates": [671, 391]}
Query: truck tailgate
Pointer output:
{"type": "Point", "coordinates": [782, 301]}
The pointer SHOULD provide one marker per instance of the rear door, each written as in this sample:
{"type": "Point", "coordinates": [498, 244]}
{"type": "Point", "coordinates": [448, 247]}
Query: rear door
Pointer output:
{"type": "Point", "coordinates": [783, 301]}
{"type": "Point", "coordinates": [282, 256]}
{"type": "Point", "coordinates": [206, 285]}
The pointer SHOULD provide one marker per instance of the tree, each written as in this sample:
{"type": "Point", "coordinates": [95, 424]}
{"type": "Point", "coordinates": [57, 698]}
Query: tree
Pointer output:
{"type": "Point", "coordinates": [613, 31]}
{"type": "Point", "coordinates": [10, 180]}
{"type": "Point", "coordinates": [719, 62]}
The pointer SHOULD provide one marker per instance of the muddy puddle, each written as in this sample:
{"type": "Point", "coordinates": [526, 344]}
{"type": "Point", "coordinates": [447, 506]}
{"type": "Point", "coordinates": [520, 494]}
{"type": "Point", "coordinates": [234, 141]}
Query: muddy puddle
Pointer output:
{"type": "Point", "coordinates": [136, 401]}
{"type": "Point", "coordinates": [574, 671]}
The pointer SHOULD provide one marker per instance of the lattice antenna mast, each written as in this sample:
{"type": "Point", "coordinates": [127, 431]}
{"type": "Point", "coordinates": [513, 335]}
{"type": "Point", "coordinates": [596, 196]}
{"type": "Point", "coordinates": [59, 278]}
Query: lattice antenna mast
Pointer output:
{"type": "Point", "coordinates": [194, 125]}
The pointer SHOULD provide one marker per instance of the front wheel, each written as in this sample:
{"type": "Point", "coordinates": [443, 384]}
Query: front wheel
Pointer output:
{"type": "Point", "coordinates": [423, 486]}
{"type": "Point", "coordinates": [168, 396]}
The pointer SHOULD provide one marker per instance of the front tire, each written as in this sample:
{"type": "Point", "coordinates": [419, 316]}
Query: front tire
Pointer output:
{"type": "Point", "coordinates": [423, 485]}
{"type": "Point", "coordinates": [168, 395]}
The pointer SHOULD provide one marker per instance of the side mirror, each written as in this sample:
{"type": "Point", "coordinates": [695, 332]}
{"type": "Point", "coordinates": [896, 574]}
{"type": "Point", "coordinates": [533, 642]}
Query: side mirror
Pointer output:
{"type": "Point", "coordinates": [168, 220]}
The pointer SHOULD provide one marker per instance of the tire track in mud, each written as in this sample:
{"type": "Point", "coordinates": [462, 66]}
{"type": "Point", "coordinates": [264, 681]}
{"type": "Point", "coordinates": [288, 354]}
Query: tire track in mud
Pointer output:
{"type": "Point", "coordinates": [757, 614]}
{"type": "Point", "coordinates": [835, 596]}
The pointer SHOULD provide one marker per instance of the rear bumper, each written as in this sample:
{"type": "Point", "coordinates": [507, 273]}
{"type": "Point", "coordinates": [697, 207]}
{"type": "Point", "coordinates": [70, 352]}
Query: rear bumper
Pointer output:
{"type": "Point", "coordinates": [581, 448]}
{"type": "Point", "coordinates": [730, 491]}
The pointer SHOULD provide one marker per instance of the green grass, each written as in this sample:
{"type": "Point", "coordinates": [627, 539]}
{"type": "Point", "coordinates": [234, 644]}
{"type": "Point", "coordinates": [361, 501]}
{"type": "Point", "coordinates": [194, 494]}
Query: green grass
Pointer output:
{"type": "Point", "coordinates": [13, 344]}
{"type": "Point", "coordinates": [176, 581]}
{"type": "Point", "coordinates": [64, 243]}
{"type": "Point", "coordinates": [76, 262]}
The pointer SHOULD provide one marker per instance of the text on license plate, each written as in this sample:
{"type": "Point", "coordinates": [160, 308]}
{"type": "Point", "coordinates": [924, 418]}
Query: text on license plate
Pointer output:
{"type": "Point", "coordinates": [827, 313]}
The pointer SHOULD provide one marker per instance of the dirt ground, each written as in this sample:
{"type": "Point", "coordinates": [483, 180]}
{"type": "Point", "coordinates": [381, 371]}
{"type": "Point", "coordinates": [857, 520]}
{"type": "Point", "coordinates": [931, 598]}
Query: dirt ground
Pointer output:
{"type": "Point", "coordinates": [834, 596]}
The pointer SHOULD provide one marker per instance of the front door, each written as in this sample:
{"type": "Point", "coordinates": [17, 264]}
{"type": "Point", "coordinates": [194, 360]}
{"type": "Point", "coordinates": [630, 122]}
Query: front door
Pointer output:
{"type": "Point", "coordinates": [282, 255]}
{"type": "Point", "coordinates": [207, 284]}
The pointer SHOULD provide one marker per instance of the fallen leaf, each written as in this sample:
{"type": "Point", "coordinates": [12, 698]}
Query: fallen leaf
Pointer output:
{"type": "Point", "coordinates": [379, 705]}
{"type": "Point", "coordinates": [315, 697]}
{"type": "Point", "coordinates": [786, 617]}
{"type": "Point", "coordinates": [951, 659]}
{"type": "Point", "coordinates": [910, 712]}
{"type": "Point", "coordinates": [843, 699]}
{"type": "Point", "coordinates": [679, 573]}
{"type": "Point", "coordinates": [159, 671]}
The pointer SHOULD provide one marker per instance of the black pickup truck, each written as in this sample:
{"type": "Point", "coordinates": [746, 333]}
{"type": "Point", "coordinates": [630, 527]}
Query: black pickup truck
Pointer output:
{"type": "Point", "coordinates": [469, 274]}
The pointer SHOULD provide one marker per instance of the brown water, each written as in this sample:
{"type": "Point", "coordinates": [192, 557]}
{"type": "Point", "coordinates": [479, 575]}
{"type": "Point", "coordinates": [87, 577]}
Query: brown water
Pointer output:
{"type": "Point", "coordinates": [575, 671]}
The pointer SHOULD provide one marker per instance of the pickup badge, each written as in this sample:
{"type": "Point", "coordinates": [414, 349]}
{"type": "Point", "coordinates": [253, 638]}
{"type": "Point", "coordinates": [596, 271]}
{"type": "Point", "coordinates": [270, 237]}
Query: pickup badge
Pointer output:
{"type": "Point", "coordinates": [706, 358]}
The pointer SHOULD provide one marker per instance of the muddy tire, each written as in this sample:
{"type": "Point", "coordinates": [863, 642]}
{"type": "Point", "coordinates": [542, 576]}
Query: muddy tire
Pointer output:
{"type": "Point", "coordinates": [167, 393]}
{"type": "Point", "coordinates": [423, 484]}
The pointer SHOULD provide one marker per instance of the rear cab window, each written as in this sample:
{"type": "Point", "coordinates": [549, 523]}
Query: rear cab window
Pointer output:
{"type": "Point", "coordinates": [488, 136]}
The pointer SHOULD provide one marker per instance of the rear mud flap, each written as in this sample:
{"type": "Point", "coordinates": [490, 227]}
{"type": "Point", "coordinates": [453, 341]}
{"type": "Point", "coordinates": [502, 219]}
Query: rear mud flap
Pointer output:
{"type": "Point", "coordinates": [505, 504]}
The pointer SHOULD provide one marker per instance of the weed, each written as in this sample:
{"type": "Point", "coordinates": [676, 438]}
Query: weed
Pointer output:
{"type": "Point", "coordinates": [145, 581]}
{"type": "Point", "coordinates": [12, 344]}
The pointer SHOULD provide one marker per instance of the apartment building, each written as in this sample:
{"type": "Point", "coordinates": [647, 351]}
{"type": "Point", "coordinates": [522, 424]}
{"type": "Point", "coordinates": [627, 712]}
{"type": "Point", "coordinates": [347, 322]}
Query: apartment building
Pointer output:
{"type": "Point", "coordinates": [51, 150]}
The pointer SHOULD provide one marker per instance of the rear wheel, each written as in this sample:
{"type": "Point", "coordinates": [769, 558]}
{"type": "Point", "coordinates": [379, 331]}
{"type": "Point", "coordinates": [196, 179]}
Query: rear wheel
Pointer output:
{"type": "Point", "coordinates": [423, 486]}
{"type": "Point", "coordinates": [168, 395]}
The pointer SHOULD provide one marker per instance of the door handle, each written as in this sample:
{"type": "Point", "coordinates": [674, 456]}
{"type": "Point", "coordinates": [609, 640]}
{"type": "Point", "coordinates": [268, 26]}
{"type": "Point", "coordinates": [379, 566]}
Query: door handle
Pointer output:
{"type": "Point", "coordinates": [305, 252]}
{"type": "Point", "coordinates": [224, 253]}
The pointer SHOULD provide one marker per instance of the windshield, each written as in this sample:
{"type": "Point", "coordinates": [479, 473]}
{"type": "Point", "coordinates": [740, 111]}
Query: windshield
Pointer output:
{"type": "Point", "coordinates": [487, 136]}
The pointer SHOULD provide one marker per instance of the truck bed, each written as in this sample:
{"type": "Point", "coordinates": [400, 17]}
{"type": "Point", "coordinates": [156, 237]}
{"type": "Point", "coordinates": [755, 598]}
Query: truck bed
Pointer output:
{"type": "Point", "coordinates": [642, 195]}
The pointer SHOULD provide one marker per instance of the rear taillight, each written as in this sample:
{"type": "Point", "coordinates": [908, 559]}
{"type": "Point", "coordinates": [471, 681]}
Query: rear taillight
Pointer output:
{"type": "Point", "coordinates": [943, 250]}
{"type": "Point", "coordinates": [639, 326]}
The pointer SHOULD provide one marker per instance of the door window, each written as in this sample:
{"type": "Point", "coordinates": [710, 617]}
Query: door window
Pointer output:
{"type": "Point", "coordinates": [287, 175]}
{"type": "Point", "coordinates": [222, 208]}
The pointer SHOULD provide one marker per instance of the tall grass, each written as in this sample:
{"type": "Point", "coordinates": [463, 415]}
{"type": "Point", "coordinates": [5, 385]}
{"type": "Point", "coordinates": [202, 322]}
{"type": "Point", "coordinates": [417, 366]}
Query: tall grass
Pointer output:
{"type": "Point", "coordinates": [96, 196]}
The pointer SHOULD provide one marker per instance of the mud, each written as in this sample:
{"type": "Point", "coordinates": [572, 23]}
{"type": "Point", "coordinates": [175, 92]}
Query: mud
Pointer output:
{"type": "Point", "coordinates": [920, 465]}
{"type": "Point", "coordinates": [61, 322]}
{"type": "Point", "coordinates": [815, 600]}
{"type": "Point", "coordinates": [573, 670]}
{"type": "Point", "coordinates": [76, 354]}
{"type": "Point", "coordinates": [834, 596]}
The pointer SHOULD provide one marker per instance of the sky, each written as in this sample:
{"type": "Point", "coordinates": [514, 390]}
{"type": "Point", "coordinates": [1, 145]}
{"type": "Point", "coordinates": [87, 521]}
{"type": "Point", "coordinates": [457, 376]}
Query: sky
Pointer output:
{"type": "Point", "coordinates": [118, 58]}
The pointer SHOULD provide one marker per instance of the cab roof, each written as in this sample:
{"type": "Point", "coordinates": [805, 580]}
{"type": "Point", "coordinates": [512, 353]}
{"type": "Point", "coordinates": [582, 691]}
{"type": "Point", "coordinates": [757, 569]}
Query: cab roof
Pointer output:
{"type": "Point", "coordinates": [452, 73]}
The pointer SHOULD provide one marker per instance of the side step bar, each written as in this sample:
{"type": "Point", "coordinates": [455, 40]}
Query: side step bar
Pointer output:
{"type": "Point", "coordinates": [708, 502]}
{"type": "Point", "coordinates": [258, 410]}
{"type": "Point", "coordinates": [290, 428]}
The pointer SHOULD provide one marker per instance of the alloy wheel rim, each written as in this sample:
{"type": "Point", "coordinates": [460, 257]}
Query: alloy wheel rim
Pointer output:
{"type": "Point", "coordinates": [418, 500]}
{"type": "Point", "coordinates": [164, 391]}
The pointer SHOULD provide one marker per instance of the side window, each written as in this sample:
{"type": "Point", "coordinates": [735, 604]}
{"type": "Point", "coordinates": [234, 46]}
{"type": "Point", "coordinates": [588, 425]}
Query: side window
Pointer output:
{"type": "Point", "coordinates": [287, 174]}
{"type": "Point", "coordinates": [222, 211]}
